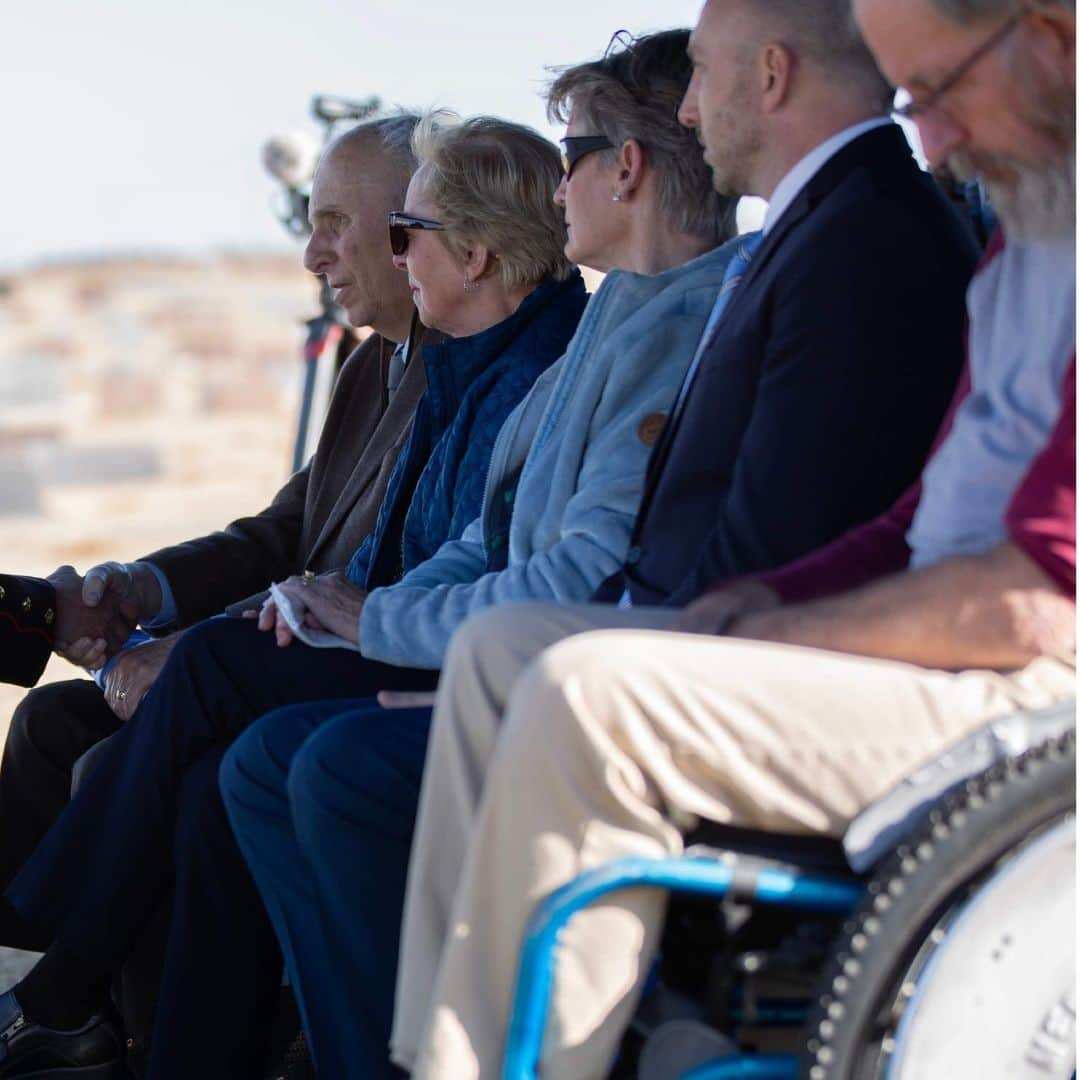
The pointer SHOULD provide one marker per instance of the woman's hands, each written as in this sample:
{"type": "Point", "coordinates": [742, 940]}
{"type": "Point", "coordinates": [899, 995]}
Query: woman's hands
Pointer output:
{"type": "Point", "coordinates": [329, 602]}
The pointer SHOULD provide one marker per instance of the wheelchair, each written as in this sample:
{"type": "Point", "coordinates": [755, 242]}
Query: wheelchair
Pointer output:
{"type": "Point", "coordinates": [936, 940]}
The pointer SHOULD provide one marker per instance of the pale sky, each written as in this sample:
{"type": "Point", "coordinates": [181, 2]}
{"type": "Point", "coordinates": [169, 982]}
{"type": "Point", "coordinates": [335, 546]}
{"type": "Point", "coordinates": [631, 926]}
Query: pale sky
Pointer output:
{"type": "Point", "coordinates": [137, 124]}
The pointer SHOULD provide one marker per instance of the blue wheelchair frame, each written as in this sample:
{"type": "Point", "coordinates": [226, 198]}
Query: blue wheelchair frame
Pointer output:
{"type": "Point", "coordinates": [773, 881]}
{"type": "Point", "coordinates": [773, 886]}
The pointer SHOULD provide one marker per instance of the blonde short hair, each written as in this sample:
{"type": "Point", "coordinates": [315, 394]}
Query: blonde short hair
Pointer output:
{"type": "Point", "coordinates": [492, 183]}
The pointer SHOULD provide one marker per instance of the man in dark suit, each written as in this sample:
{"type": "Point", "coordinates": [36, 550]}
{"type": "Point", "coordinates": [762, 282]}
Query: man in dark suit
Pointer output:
{"type": "Point", "coordinates": [38, 615]}
{"type": "Point", "coordinates": [315, 522]}
{"type": "Point", "coordinates": [819, 393]}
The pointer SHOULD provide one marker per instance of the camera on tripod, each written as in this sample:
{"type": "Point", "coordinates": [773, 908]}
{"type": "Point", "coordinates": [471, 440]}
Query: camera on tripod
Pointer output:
{"type": "Point", "coordinates": [292, 158]}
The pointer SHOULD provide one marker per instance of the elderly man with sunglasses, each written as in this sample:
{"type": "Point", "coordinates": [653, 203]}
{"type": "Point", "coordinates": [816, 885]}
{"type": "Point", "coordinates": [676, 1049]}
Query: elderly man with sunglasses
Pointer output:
{"type": "Point", "coordinates": [837, 674]}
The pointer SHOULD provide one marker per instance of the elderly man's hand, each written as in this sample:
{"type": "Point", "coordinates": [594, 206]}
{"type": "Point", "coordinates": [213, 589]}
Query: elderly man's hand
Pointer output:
{"type": "Point", "coordinates": [134, 583]}
{"type": "Point", "coordinates": [88, 633]}
{"type": "Point", "coordinates": [134, 673]}
{"type": "Point", "coordinates": [714, 612]}
{"type": "Point", "coordinates": [329, 602]}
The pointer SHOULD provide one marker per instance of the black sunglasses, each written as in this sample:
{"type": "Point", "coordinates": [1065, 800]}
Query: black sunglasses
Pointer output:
{"type": "Point", "coordinates": [575, 147]}
{"type": "Point", "coordinates": [400, 223]}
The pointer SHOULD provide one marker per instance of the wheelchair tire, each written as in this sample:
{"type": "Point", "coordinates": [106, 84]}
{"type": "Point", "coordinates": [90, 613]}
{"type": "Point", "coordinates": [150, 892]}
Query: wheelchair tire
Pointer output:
{"type": "Point", "coordinates": [851, 1027]}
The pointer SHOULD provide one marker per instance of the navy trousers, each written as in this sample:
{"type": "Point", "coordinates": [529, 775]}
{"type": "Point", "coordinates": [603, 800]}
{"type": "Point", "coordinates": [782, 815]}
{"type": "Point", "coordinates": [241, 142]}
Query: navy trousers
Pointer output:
{"type": "Point", "coordinates": [323, 801]}
{"type": "Point", "coordinates": [149, 818]}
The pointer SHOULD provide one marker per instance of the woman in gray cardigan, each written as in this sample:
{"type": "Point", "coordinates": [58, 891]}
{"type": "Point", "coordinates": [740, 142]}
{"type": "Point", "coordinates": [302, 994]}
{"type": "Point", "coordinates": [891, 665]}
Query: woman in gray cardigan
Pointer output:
{"type": "Point", "coordinates": [321, 797]}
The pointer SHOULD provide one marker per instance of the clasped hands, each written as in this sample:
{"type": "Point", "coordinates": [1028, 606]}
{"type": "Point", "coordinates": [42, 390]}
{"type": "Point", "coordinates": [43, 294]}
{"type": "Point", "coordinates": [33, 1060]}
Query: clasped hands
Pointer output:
{"type": "Point", "coordinates": [91, 623]}
{"type": "Point", "coordinates": [329, 602]}
{"type": "Point", "coordinates": [96, 615]}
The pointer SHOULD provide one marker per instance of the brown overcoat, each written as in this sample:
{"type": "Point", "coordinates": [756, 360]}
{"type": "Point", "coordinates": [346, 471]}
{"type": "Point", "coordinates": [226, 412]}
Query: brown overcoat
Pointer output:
{"type": "Point", "coordinates": [318, 519]}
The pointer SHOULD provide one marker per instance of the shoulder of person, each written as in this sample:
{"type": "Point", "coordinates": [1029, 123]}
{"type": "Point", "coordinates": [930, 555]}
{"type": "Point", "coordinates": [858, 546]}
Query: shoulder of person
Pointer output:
{"type": "Point", "coordinates": [365, 359]}
{"type": "Point", "coordinates": [625, 294]}
{"type": "Point", "coordinates": [877, 234]}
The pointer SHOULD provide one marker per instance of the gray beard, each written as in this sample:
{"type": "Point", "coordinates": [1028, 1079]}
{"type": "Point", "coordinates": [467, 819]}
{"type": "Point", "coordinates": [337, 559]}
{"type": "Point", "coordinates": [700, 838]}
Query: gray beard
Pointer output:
{"type": "Point", "coordinates": [1037, 205]}
{"type": "Point", "coordinates": [1041, 207]}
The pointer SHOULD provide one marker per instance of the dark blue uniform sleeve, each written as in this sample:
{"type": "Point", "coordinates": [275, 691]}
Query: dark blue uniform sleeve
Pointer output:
{"type": "Point", "coordinates": [26, 628]}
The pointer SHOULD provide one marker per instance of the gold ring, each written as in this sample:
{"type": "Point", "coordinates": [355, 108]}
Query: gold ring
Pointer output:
{"type": "Point", "coordinates": [121, 694]}
{"type": "Point", "coordinates": [308, 578]}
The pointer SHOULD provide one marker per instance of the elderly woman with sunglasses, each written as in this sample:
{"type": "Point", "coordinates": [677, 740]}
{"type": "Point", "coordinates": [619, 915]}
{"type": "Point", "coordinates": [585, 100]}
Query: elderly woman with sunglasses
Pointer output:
{"type": "Point", "coordinates": [482, 247]}
{"type": "Point", "coordinates": [322, 798]}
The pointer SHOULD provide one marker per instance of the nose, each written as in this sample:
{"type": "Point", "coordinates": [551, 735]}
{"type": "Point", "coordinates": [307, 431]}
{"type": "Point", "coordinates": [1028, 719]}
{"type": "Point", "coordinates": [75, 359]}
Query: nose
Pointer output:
{"type": "Point", "coordinates": [399, 261]}
{"type": "Point", "coordinates": [940, 136]}
{"type": "Point", "coordinates": [315, 254]}
{"type": "Point", "coordinates": [559, 198]}
{"type": "Point", "coordinates": [688, 107]}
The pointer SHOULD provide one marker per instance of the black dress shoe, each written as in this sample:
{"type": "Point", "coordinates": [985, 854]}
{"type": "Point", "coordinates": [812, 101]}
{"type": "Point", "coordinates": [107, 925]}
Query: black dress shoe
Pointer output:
{"type": "Point", "coordinates": [30, 1051]}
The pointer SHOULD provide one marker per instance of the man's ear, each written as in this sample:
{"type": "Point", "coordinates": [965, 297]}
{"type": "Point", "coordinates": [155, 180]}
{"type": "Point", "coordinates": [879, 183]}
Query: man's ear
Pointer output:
{"type": "Point", "coordinates": [630, 168]}
{"type": "Point", "coordinates": [777, 68]}
{"type": "Point", "coordinates": [1055, 40]}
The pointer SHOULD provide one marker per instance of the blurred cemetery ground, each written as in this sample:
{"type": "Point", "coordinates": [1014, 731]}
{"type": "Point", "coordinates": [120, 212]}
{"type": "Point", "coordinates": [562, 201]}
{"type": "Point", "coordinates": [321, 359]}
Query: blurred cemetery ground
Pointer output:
{"type": "Point", "coordinates": [142, 401]}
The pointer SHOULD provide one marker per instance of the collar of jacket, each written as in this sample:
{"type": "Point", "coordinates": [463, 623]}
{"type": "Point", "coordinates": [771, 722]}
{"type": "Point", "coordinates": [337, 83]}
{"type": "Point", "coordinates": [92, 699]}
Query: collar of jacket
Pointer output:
{"type": "Point", "coordinates": [419, 336]}
{"type": "Point", "coordinates": [453, 364]}
{"type": "Point", "coordinates": [882, 151]}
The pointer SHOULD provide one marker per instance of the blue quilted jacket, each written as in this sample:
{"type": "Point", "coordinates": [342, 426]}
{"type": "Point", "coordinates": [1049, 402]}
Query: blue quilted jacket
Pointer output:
{"type": "Point", "coordinates": [473, 384]}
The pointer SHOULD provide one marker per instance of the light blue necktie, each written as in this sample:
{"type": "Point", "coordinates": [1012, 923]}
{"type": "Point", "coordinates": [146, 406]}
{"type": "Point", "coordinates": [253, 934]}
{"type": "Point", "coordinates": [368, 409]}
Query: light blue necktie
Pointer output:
{"type": "Point", "coordinates": [733, 276]}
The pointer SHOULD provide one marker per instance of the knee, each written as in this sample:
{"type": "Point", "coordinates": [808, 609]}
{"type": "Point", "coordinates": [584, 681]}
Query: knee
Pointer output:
{"type": "Point", "coordinates": [211, 640]}
{"type": "Point", "coordinates": [562, 683]}
{"type": "Point", "coordinates": [309, 795]}
{"type": "Point", "coordinates": [314, 788]}
{"type": "Point", "coordinates": [26, 720]}
{"type": "Point", "coordinates": [254, 769]}
{"type": "Point", "coordinates": [37, 713]}
{"type": "Point", "coordinates": [478, 636]}
{"type": "Point", "coordinates": [348, 774]}
{"type": "Point", "coordinates": [600, 651]}
{"type": "Point", "coordinates": [492, 637]}
{"type": "Point", "coordinates": [88, 762]}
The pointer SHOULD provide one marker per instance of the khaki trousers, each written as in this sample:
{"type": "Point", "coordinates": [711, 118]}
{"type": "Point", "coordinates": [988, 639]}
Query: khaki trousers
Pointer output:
{"type": "Point", "coordinates": [549, 757]}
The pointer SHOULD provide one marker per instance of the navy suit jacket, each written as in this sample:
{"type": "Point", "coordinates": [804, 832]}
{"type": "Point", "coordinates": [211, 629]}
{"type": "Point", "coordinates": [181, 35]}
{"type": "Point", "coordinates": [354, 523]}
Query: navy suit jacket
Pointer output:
{"type": "Point", "coordinates": [26, 636]}
{"type": "Point", "coordinates": [816, 403]}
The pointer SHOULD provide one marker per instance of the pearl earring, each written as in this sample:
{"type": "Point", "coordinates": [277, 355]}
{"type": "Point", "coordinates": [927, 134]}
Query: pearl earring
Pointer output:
{"type": "Point", "coordinates": [616, 197]}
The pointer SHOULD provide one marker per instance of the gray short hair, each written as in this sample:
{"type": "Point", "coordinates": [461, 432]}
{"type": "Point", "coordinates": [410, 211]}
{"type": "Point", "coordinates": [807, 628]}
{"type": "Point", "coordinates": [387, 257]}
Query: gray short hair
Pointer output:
{"type": "Point", "coordinates": [492, 182]}
{"type": "Point", "coordinates": [966, 12]}
{"type": "Point", "coordinates": [395, 134]}
{"type": "Point", "coordinates": [634, 92]}
{"type": "Point", "coordinates": [825, 33]}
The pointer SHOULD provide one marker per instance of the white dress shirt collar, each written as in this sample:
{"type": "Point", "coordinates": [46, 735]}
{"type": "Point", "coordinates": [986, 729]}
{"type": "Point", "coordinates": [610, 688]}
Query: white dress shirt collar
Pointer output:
{"type": "Point", "coordinates": [806, 169]}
